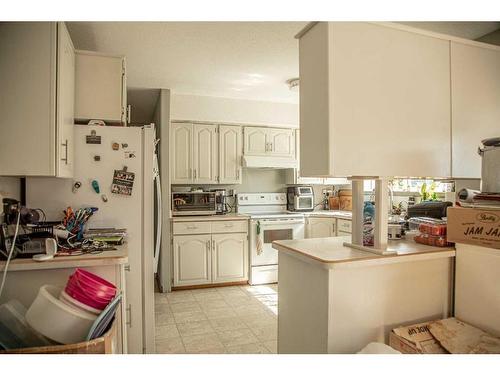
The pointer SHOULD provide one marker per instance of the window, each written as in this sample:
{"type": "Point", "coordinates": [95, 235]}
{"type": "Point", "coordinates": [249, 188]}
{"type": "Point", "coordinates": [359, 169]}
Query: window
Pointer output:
{"type": "Point", "coordinates": [407, 185]}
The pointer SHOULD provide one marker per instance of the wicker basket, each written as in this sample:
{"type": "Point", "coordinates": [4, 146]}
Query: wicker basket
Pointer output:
{"type": "Point", "coordinates": [101, 345]}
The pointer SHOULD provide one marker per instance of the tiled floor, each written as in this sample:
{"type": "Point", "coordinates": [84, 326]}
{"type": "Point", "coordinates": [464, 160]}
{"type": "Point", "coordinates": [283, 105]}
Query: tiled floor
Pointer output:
{"type": "Point", "coordinates": [234, 319]}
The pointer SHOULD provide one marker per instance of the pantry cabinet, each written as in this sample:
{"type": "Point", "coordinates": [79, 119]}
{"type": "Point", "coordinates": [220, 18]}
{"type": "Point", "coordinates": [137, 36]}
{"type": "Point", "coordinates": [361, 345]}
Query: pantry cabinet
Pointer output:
{"type": "Point", "coordinates": [192, 259]}
{"type": "Point", "coordinates": [209, 252]}
{"type": "Point", "coordinates": [260, 141]}
{"type": "Point", "coordinates": [37, 77]}
{"type": "Point", "coordinates": [475, 92]}
{"type": "Point", "coordinates": [374, 101]}
{"type": "Point", "coordinates": [319, 227]}
{"type": "Point", "coordinates": [230, 154]}
{"type": "Point", "coordinates": [101, 88]}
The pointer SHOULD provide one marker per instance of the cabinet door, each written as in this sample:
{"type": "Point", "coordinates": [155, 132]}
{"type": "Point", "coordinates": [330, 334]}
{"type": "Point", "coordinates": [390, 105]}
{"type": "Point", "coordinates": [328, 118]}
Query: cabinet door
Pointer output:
{"type": "Point", "coordinates": [475, 93]}
{"type": "Point", "coordinates": [374, 101]}
{"type": "Point", "coordinates": [65, 102]}
{"type": "Point", "coordinates": [181, 153]}
{"type": "Point", "coordinates": [99, 87]}
{"type": "Point", "coordinates": [229, 257]}
{"type": "Point", "coordinates": [192, 260]}
{"type": "Point", "coordinates": [256, 141]}
{"type": "Point", "coordinates": [205, 154]}
{"type": "Point", "coordinates": [319, 227]}
{"type": "Point", "coordinates": [230, 152]}
{"type": "Point", "coordinates": [28, 98]}
{"type": "Point", "coordinates": [281, 142]}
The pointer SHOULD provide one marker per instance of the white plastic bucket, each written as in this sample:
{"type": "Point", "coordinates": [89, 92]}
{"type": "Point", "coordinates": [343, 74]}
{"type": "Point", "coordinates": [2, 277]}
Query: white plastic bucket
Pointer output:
{"type": "Point", "coordinates": [56, 319]}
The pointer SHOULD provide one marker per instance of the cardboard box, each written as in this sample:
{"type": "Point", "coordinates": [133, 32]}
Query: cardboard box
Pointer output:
{"type": "Point", "coordinates": [474, 226]}
{"type": "Point", "coordinates": [415, 339]}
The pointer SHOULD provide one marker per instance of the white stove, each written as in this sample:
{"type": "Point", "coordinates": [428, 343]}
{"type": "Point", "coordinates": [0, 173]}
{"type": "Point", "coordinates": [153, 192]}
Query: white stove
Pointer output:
{"type": "Point", "coordinates": [269, 221]}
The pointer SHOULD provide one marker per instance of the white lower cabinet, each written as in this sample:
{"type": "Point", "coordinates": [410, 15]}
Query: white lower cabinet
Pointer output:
{"type": "Point", "coordinates": [212, 257]}
{"type": "Point", "coordinates": [192, 260]}
{"type": "Point", "coordinates": [229, 257]}
{"type": "Point", "coordinates": [319, 227]}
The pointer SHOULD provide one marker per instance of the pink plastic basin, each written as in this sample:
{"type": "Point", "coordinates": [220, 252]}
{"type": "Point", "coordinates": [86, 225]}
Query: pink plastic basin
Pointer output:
{"type": "Point", "coordinates": [90, 289]}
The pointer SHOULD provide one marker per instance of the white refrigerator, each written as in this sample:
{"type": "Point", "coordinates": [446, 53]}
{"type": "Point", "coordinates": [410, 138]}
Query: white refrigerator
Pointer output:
{"type": "Point", "coordinates": [99, 152]}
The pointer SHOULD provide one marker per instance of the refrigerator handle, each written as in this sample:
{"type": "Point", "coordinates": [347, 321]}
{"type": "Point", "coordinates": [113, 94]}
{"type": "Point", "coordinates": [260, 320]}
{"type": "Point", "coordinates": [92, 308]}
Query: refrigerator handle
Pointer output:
{"type": "Point", "coordinates": [156, 173]}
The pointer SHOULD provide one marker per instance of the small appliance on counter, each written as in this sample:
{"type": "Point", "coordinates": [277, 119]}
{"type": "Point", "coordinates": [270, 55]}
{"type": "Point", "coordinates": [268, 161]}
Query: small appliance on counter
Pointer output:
{"type": "Point", "coordinates": [192, 203]}
{"type": "Point", "coordinates": [490, 173]}
{"type": "Point", "coordinates": [434, 209]}
{"type": "Point", "coordinates": [221, 205]}
{"type": "Point", "coordinates": [300, 198]}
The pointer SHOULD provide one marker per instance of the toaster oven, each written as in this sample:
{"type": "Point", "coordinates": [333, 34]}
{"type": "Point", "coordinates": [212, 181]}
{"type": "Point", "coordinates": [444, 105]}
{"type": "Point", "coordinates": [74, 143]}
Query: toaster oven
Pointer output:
{"type": "Point", "coordinates": [193, 203]}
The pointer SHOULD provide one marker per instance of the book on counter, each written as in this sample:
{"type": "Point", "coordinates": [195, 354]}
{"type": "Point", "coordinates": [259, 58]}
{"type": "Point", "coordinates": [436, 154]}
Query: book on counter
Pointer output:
{"type": "Point", "coordinates": [112, 236]}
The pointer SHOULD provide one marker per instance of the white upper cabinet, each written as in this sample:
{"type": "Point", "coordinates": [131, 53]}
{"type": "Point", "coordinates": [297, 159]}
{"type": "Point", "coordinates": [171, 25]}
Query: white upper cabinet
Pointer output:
{"type": "Point", "coordinates": [475, 85]}
{"type": "Point", "coordinates": [374, 101]}
{"type": "Point", "coordinates": [230, 153]}
{"type": "Point", "coordinates": [256, 142]}
{"type": "Point", "coordinates": [65, 103]}
{"type": "Point", "coordinates": [36, 99]}
{"type": "Point", "coordinates": [101, 91]}
{"type": "Point", "coordinates": [278, 142]}
{"type": "Point", "coordinates": [181, 153]}
{"type": "Point", "coordinates": [195, 156]}
{"type": "Point", "coordinates": [205, 154]}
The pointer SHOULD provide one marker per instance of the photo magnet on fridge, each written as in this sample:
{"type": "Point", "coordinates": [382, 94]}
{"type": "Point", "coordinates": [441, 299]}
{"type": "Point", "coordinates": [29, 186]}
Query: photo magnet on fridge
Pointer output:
{"type": "Point", "coordinates": [123, 182]}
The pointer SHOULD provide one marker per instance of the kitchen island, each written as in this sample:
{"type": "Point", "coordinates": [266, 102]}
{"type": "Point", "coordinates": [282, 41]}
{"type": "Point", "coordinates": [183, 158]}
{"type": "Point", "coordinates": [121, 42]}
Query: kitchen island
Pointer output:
{"type": "Point", "coordinates": [336, 299]}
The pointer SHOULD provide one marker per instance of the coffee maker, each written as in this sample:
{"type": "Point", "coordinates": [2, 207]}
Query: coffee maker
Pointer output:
{"type": "Point", "coordinates": [221, 206]}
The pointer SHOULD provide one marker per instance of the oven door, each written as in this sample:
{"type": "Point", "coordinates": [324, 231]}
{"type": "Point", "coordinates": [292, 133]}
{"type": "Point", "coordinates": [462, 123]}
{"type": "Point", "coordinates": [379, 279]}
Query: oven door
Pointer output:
{"type": "Point", "coordinates": [272, 230]}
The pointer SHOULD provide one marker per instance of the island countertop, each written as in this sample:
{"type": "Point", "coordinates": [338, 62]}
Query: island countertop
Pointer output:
{"type": "Point", "coordinates": [331, 252]}
{"type": "Point", "coordinates": [104, 258]}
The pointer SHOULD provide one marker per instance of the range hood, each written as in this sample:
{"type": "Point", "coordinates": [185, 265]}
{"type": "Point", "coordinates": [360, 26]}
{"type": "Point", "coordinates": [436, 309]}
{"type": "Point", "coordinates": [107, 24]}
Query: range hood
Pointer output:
{"type": "Point", "coordinates": [269, 162]}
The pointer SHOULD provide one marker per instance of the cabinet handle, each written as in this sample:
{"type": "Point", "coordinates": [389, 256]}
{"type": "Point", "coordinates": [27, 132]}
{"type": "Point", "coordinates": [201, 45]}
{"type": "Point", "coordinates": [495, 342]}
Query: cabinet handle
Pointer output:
{"type": "Point", "coordinates": [194, 172]}
{"type": "Point", "coordinates": [238, 174]}
{"type": "Point", "coordinates": [271, 146]}
{"type": "Point", "coordinates": [129, 116]}
{"type": "Point", "coordinates": [208, 245]}
{"type": "Point", "coordinates": [128, 311]}
{"type": "Point", "coordinates": [65, 144]}
{"type": "Point", "coordinates": [213, 245]}
{"type": "Point", "coordinates": [192, 227]}
{"type": "Point", "coordinates": [127, 267]}
{"type": "Point", "coordinates": [228, 225]}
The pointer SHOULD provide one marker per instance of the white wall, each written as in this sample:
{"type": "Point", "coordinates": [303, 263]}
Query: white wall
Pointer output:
{"type": "Point", "coordinates": [10, 187]}
{"type": "Point", "coordinates": [226, 110]}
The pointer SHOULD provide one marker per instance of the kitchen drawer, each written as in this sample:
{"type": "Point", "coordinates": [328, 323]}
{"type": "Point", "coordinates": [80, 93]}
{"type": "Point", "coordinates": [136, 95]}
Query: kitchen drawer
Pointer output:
{"type": "Point", "coordinates": [191, 227]}
{"type": "Point", "coordinates": [229, 226]}
{"type": "Point", "coordinates": [344, 225]}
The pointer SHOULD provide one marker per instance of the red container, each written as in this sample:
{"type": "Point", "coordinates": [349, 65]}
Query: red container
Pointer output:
{"type": "Point", "coordinates": [433, 229]}
{"type": "Point", "coordinates": [90, 289]}
{"type": "Point", "coordinates": [427, 239]}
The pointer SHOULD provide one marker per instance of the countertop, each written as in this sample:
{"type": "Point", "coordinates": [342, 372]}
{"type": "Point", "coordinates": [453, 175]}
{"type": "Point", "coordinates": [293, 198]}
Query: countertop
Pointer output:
{"type": "Point", "coordinates": [347, 215]}
{"type": "Point", "coordinates": [105, 258]}
{"type": "Point", "coordinates": [229, 216]}
{"type": "Point", "coordinates": [331, 251]}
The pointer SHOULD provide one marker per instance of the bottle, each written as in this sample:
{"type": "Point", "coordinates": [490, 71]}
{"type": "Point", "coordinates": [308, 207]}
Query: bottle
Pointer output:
{"type": "Point", "coordinates": [368, 224]}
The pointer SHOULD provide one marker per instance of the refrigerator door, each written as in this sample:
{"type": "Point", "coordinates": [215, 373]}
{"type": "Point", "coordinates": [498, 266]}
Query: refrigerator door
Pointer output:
{"type": "Point", "coordinates": [98, 161]}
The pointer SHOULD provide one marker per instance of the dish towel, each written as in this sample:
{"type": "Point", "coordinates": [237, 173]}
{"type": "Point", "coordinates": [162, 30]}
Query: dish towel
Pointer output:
{"type": "Point", "coordinates": [259, 239]}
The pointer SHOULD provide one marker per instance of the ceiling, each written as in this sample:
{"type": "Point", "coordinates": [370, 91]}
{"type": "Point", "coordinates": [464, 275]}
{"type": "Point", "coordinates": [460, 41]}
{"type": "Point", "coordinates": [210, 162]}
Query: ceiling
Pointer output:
{"type": "Point", "coordinates": [248, 60]}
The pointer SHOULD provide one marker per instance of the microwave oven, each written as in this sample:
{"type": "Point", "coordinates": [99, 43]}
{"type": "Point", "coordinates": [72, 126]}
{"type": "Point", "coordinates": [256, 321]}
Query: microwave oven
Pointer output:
{"type": "Point", "coordinates": [193, 203]}
{"type": "Point", "coordinates": [300, 198]}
